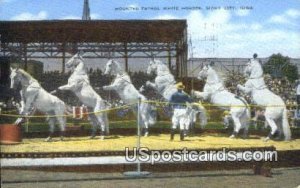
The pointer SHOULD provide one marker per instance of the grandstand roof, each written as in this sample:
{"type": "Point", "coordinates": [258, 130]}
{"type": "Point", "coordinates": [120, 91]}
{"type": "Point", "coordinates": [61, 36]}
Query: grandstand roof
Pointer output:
{"type": "Point", "coordinates": [92, 31]}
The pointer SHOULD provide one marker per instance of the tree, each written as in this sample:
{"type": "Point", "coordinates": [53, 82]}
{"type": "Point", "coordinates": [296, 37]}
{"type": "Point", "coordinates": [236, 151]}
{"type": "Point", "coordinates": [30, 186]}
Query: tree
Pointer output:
{"type": "Point", "coordinates": [279, 66]}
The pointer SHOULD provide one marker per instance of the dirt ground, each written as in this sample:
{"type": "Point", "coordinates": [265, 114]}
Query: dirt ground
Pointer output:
{"type": "Point", "coordinates": [159, 141]}
{"type": "Point", "coordinates": [282, 177]}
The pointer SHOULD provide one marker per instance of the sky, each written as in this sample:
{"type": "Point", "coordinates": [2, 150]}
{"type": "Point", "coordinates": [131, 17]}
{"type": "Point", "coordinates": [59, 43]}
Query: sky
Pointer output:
{"type": "Point", "coordinates": [233, 28]}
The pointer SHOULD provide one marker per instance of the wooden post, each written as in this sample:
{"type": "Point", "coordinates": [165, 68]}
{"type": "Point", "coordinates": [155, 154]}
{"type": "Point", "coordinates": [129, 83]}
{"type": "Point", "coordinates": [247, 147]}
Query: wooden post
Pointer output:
{"type": "Point", "coordinates": [63, 58]}
{"type": "Point", "coordinates": [25, 56]}
{"type": "Point", "coordinates": [169, 58]}
{"type": "Point", "coordinates": [126, 57]}
{"type": "Point", "coordinates": [177, 63]}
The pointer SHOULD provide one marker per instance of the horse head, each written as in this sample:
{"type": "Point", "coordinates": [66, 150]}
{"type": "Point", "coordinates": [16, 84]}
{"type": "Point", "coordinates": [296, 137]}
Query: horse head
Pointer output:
{"type": "Point", "coordinates": [253, 69]}
{"type": "Point", "coordinates": [203, 73]}
{"type": "Point", "coordinates": [14, 77]}
{"type": "Point", "coordinates": [112, 67]}
{"type": "Point", "coordinates": [152, 66]}
{"type": "Point", "coordinates": [74, 61]}
{"type": "Point", "coordinates": [20, 76]}
{"type": "Point", "coordinates": [158, 66]}
{"type": "Point", "coordinates": [248, 69]}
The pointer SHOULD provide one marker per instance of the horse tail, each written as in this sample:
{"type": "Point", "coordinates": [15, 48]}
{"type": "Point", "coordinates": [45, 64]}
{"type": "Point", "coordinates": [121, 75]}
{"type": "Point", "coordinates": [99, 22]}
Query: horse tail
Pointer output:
{"type": "Point", "coordinates": [245, 120]}
{"type": "Point", "coordinates": [285, 125]}
{"type": "Point", "coordinates": [152, 114]}
{"type": "Point", "coordinates": [247, 114]}
{"type": "Point", "coordinates": [247, 107]}
{"type": "Point", "coordinates": [243, 100]}
{"type": "Point", "coordinates": [202, 116]}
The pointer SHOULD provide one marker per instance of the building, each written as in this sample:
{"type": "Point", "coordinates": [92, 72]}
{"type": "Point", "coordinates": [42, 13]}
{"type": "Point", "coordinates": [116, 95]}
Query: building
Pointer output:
{"type": "Point", "coordinates": [226, 64]}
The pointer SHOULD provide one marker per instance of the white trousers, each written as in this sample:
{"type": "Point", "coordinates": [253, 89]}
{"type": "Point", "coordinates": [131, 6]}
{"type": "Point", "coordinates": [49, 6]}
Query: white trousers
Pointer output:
{"type": "Point", "coordinates": [181, 118]}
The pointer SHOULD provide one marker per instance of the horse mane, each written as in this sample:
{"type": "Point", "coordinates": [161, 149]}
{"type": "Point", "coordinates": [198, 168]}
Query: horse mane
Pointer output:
{"type": "Point", "coordinates": [118, 66]}
{"type": "Point", "coordinates": [84, 65]}
{"type": "Point", "coordinates": [164, 66]}
{"type": "Point", "coordinates": [27, 75]}
{"type": "Point", "coordinates": [258, 65]}
{"type": "Point", "coordinates": [217, 74]}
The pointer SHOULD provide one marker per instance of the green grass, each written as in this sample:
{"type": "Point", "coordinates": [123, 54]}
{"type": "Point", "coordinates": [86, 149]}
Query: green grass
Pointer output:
{"type": "Point", "coordinates": [43, 126]}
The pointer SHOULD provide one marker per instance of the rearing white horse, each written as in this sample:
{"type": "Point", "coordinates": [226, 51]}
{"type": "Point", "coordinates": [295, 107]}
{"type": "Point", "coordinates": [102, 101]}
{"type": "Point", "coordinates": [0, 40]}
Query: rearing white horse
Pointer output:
{"type": "Point", "coordinates": [79, 84]}
{"type": "Point", "coordinates": [33, 96]}
{"type": "Point", "coordinates": [165, 85]}
{"type": "Point", "coordinates": [128, 93]}
{"type": "Point", "coordinates": [275, 113]}
{"type": "Point", "coordinates": [215, 92]}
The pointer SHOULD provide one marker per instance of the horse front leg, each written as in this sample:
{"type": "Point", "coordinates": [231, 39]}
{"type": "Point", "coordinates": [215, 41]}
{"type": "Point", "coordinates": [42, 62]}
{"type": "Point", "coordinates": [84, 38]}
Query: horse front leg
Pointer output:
{"type": "Point", "coordinates": [201, 95]}
{"type": "Point", "coordinates": [22, 102]}
{"type": "Point", "coordinates": [21, 120]}
{"type": "Point", "coordinates": [109, 87]}
{"type": "Point", "coordinates": [67, 87]}
{"type": "Point", "coordinates": [244, 89]}
{"type": "Point", "coordinates": [28, 104]}
{"type": "Point", "coordinates": [151, 85]}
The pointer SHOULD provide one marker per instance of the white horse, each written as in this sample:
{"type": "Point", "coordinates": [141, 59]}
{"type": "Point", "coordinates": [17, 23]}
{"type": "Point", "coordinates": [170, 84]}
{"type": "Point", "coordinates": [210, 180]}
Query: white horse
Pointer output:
{"type": "Point", "coordinates": [165, 85]}
{"type": "Point", "coordinates": [275, 112]}
{"type": "Point", "coordinates": [215, 92]}
{"type": "Point", "coordinates": [33, 96]}
{"type": "Point", "coordinates": [79, 84]}
{"type": "Point", "coordinates": [128, 93]}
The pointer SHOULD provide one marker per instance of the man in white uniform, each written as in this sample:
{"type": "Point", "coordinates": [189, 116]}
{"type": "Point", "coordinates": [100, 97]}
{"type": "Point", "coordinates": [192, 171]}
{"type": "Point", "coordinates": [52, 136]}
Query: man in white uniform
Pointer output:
{"type": "Point", "coordinates": [178, 101]}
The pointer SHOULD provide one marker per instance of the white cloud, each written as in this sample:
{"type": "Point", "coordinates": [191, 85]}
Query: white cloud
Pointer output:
{"type": "Point", "coordinates": [293, 13]}
{"type": "Point", "coordinates": [134, 6]}
{"type": "Point", "coordinates": [71, 17]}
{"type": "Point", "coordinates": [216, 35]}
{"type": "Point", "coordinates": [42, 15]}
{"type": "Point", "coordinates": [165, 17]}
{"type": "Point", "coordinates": [242, 12]}
{"type": "Point", "coordinates": [256, 26]}
{"type": "Point", "coordinates": [288, 17]}
{"type": "Point", "coordinates": [281, 19]}
{"type": "Point", "coordinates": [95, 16]}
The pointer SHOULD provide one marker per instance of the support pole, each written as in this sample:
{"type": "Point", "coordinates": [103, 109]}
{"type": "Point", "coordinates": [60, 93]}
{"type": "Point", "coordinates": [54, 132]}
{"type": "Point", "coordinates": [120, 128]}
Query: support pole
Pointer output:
{"type": "Point", "coordinates": [177, 62]}
{"type": "Point", "coordinates": [25, 56]}
{"type": "Point", "coordinates": [138, 172]}
{"type": "Point", "coordinates": [138, 143]}
{"type": "Point", "coordinates": [126, 57]}
{"type": "Point", "coordinates": [63, 58]}
{"type": "Point", "coordinates": [169, 58]}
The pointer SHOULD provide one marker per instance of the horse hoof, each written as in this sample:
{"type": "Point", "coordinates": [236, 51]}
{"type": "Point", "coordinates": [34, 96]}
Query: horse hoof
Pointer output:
{"type": "Point", "coordinates": [49, 139]}
{"type": "Point", "coordinates": [101, 137]}
{"type": "Point", "coordinates": [232, 136]}
{"type": "Point", "coordinates": [266, 139]}
{"type": "Point", "coordinates": [62, 138]}
{"type": "Point", "coordinates": [146, 134]}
